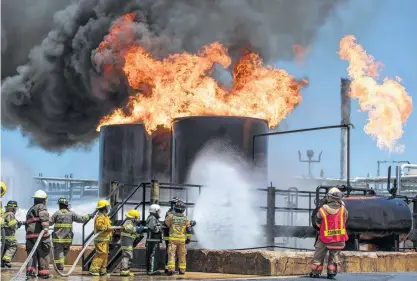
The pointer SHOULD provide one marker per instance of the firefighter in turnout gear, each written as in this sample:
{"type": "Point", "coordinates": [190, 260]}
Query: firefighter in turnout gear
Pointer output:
{"type": "Point", "coordinates": [130, 232]}
{"type": "Point", "coordinates": [166, 230]}
{"type": "Point", "coordinates": [2, 193]}
{"type": "Point", "coordinates": [153, 239]}
{"type": "Point", "coordinates": [102, 224]}
{"type": "Point", "coordinates": [62, 234]}
{"type": "Point", "coordinates": [331, 218]}
{"type": "Point", "coordinates": [10, 226]}
{"type": "Point", "coordinates": [37, 219]}
{"type": "Point", "coordinates": [179, 235]}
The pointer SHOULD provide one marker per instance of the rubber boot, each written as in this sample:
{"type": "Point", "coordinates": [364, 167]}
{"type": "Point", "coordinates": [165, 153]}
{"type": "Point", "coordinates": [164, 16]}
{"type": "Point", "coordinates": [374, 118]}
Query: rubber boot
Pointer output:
{"type": "Point", "coordinates": [181, 272]}
{"type": "Point", "coordinates": [6, 264]}
{"type": "Point", "coordinates": [44, 276]}
{"type": "Point", "coordinates": [170, 273]}
{"type": "Point", "coordinates": [314, 274]}
{"type": "Point", "coordinates": [154, 273]}
{"type": "Point", "coordinates": [31, 275]}
{"type": "Point", "coordinates": [331, 275]}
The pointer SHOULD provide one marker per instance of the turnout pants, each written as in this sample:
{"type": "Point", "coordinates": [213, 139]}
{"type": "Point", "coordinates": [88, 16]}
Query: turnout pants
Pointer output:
{"type": "Point", "coordinates": [99, 263]}
{"type": "Point", "coordinates": [60, 253]}
{"type": "Point", "coordinates": [173, 248]}
{"type": "Point", "coordinates": [333, 261]}
{"type": "Point", "coordinates": [151, 261]}
{"type": "Point", "coordinates": [10, 248]}
{"type": "Point", "coordinates": [40, 259]}
{"type": "Point", "coordinates": [127, 256]}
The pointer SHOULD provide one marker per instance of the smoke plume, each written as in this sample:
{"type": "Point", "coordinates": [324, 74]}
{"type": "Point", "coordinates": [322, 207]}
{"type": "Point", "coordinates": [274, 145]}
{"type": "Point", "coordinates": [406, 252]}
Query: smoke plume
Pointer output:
{"type": "Point", "coordinates": [59, 96]}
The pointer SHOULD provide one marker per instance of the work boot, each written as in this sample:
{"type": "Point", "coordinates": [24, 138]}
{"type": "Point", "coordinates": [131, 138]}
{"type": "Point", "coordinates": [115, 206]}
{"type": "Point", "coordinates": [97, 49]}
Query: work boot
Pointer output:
{"type": "Point", "coordinates": [154, 273]}
{"type": "Point", "coordinates": [331, 275]}
{"type": "Point", "coordinates": [314, 274]}
{"type": "Point", "coordinates": [30, 275]}
{"type": "Point", "coordinates": [6, 264]}
{"type": "Point", "coordinates": [181, 272]}
{"type": "Point", "coordinates": [170, 273]}
{"type": "Point", "coordinates": [44, 276]}
{"type": "Point", "coordinates": [94, 273]}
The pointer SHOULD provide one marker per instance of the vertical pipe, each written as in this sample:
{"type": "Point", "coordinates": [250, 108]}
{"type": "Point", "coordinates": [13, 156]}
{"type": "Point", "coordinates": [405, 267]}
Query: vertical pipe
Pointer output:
{"type": "Point", "coordinates": [415, 222]}
{"type": "Point", "coordinates": [345, 119]}
{"type": "Point", "coordinates": [348, 158]}
{"type": "Point", "coordinates": [154, 192]}
{"type": "Point", "coordinates": [270, 217]}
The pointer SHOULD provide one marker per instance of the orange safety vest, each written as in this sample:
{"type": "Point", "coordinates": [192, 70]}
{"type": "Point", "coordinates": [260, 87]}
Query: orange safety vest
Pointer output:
{"type": "Point", "coordinates": [332, 229]}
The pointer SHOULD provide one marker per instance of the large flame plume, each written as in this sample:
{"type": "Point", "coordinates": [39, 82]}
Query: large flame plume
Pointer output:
{"type": "Point", "coordinates": [387, 103]}
{"type": "Point", "coordinates": [181, 85]}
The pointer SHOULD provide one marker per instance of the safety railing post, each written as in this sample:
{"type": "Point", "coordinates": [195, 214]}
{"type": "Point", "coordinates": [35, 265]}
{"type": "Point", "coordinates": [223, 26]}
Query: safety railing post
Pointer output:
{"type": "Point", "coordinates": [270, 217]}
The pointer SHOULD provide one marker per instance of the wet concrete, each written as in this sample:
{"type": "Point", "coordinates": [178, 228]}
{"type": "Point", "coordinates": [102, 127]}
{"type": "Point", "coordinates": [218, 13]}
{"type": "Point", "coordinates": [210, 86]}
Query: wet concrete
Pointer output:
{"type": "Point", "coordinates": [8, 274]}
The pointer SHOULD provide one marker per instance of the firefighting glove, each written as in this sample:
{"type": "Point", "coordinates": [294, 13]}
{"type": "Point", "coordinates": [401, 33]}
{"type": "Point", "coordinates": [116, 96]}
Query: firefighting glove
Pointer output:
{"type": "Point", "coordinates": [90, 216]}
{"type": "Point", "coordinates": [187, 241]}
{"type": "Point", "coordinates": [141, 228]}
{"type": "Point", "coordinates": [20, 223]}
{"type": "Point", "coordinates": [193, 223]}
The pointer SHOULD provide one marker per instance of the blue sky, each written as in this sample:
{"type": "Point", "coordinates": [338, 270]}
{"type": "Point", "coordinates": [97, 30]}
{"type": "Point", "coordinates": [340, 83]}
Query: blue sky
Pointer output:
{"type": "Point", "coordinates": [387, 31]}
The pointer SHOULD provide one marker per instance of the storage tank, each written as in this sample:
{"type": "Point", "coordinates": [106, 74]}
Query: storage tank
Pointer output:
{"type": "Point", "coordinates": [125, 156]}
{"type": "Point", "coordinates": [376, 219]}
{"type": "Point", "coordinates": [190, 134]}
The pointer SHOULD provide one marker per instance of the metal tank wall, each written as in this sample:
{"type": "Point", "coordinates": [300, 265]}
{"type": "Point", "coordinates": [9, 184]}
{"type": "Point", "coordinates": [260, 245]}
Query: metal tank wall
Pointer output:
{"type": "Point", "coordinates": [190, 134]}
{"type": "Point", "coordinates": [125, 156]}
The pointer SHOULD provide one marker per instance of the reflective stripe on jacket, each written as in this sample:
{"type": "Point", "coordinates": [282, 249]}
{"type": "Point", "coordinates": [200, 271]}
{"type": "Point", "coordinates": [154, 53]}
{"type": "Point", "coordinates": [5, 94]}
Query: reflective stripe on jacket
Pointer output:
{"type": "Point", "coordinates": [333, 229]}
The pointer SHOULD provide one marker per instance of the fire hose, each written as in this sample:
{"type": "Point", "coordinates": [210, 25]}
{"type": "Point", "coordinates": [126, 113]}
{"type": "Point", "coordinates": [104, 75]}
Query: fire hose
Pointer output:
{"type": "Point", "coordinates": [79, 255]}
{"type": "Point", "coordinates": [56, 269]}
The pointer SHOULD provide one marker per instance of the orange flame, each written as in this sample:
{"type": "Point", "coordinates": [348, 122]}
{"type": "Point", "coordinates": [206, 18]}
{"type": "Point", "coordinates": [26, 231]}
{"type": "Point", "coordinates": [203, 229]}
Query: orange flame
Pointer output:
{"type": "Point", "coordinates": [180, 85]}
{"type": "Point", "coordinates": [388, 104]}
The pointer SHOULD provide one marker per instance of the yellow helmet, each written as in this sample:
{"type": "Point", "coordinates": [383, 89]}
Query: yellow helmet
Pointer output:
{"type": "Point", "coordinates": [3, 188]}
{"type": "Point", "coordinates": [133, 214]}
{"type": "Point", "coordinates": [102, 204]}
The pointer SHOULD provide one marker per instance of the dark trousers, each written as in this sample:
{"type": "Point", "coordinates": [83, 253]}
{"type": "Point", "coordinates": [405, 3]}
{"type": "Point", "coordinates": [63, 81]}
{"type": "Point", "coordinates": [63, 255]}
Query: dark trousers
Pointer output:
{"type": "Point", "coordinates": [151, 257]}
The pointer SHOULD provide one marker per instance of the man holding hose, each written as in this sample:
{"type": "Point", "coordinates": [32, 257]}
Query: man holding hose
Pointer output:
{"type": "Point", "coordinates": [62, 235]}
{"type": "Point", "coordinates": [37, 220]}
{"type": "Point", "coordinates": [102, 224]}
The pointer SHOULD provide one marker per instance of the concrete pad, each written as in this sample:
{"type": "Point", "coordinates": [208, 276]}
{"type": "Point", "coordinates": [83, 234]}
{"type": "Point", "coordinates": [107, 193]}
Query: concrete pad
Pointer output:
{"type": "Point", "coordinates": [274, 263]}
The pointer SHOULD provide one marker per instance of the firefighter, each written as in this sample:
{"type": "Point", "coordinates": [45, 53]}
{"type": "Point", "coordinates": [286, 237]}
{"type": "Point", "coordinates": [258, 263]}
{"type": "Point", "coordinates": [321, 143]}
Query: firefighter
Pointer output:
{"type": "Point", "coordinates": [331, 218]}
{"type": "Point", "coordinates": [179, 235]}
{"type": "Point", "coordinates": [62, 234]}
{"type": "Point", "coordinates": [130, 232]}
{"type": "Point", "coordinates": [10, 226]}
{"type": "Point", "coordinates": [2, 193]}
{"type": "Point", "coordinates": [166, 230]}
{"type": "Point", "coordinates": [153, 239]}
{"type": "Point", "coordinates": [37, 219]}
{"type": "Point", "coordinates": [102, 223]}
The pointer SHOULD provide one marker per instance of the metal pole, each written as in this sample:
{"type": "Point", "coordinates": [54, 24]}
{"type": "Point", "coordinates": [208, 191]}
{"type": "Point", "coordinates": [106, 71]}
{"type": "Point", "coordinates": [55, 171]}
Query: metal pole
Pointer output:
{"type": "Point", "coordinates": [345, 119]}
{"type": "Point", "coordinates": [270, 217]}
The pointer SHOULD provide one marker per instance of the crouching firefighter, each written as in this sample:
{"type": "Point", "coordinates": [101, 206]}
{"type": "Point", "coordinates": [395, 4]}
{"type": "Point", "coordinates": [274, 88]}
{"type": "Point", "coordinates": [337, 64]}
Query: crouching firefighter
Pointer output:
{"type": "Point", "coordinates": [37, 219]}
{"type": "Point", "coordinates": [153, 239]}
{"type": "Point", "coordinates": [131, 231]}
{"type": "Point", "coordinates": [102, 224]}
{"type": "Point", "coordinates": [62, 234]}
{"type": "Point", "coordinates": [166, 230]}
{"type": "Point", "coordinates": [179, 235]}
{"type": "Point", "coordinates": [10, 226]}
{"type": "Point", "coordinates": [331, 218]}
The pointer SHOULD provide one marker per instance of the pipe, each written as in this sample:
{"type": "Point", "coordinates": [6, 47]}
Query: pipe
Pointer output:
{"type": "Point", "coordinates": [30, 255]}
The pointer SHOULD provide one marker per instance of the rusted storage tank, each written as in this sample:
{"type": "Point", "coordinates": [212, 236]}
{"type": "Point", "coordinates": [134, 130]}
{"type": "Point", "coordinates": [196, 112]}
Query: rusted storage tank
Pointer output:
{"type": "Point", "coordinates": [376, 220]}
{"type": "Point", "coordinates": [125, 154]}
{"type": "Point", "coordinates": [190, 134]}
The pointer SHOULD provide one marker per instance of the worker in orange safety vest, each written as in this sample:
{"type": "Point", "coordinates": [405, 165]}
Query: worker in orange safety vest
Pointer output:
{"type": "Point", "coordinates": [331, 218]}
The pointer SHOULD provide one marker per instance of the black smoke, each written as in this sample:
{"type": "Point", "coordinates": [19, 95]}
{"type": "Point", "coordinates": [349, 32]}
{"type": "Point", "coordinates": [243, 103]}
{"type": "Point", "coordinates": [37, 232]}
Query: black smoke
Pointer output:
{"type": "Point", "coordinates": [57, 95]}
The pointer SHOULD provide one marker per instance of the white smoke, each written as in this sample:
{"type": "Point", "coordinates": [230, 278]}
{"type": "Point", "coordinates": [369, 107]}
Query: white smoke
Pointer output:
{"type": "Point", "coordinates": [225, 212]}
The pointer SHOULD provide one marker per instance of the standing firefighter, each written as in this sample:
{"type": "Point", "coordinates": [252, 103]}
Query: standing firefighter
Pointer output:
{"type": "Point", "coordinates": [130, 232]}
{"type": "Point", "coordinates": [179, 235]}
{"type": "Point", "coordinates": [2, 193]}
{"type": "Point", "coordinates": [331, 218]}
{"type": "Point", "coordinates": [102, 224]}
{"type": "Point", "coordinates": [173, 201]}
{"type": "Point", "coordinates": [37, 220]}
{"type": "Point", "coordinates": [10, 226]}
{"type": "Point", "coordinates": [153, 239]}
{"type": "Point", "coordinates": [62, 235]}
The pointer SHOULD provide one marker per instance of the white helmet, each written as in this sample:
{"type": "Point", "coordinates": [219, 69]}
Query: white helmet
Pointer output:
{"type": "Point", "coordinates": [40, 194]}
{"type": "Point", "coordinates": [155, 208]}
{"type": "Point", "coordinates": [335, 193]}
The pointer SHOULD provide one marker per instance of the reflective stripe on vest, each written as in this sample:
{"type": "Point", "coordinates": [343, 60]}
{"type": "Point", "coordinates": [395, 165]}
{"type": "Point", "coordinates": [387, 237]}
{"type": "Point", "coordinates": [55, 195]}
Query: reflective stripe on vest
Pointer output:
{"type": "Point", "coordinates": [178, 229]}
{"type": "Point", "coordinates": [333, 229]}
{"type": "Point", "coordinates": [125, 234]}
{"type": "Point", "coordinates": [10, 238]}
